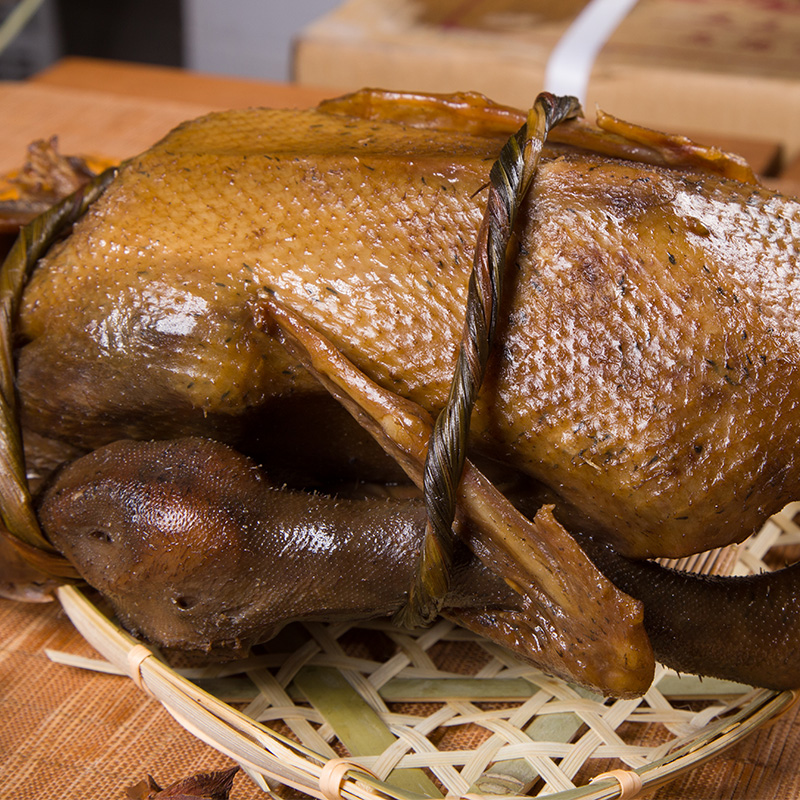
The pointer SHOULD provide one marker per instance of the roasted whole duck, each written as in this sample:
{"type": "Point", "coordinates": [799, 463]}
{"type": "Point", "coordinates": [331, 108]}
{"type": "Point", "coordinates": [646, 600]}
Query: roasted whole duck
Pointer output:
{"type": "Point", "coordinates": [644, 378]}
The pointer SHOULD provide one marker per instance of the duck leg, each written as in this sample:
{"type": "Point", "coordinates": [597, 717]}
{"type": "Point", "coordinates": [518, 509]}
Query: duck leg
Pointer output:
{"type": "Point", "coordinates": [742, 628]}
{"type": "Point", "coordinates": [575, 623]}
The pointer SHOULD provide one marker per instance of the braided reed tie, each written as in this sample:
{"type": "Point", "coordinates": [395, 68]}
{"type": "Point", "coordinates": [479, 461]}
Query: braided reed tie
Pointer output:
{"type": "Point", "coordinates": [510, 179]}
{"type": "Point", "coordinates": [33, 241]}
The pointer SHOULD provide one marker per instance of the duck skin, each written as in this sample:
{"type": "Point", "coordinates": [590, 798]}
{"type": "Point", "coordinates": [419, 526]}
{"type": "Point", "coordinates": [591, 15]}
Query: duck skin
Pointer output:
{"type": "Point", "coordinates": [644, 377]}
{"type": "Point", "coordinates": [647, 371]}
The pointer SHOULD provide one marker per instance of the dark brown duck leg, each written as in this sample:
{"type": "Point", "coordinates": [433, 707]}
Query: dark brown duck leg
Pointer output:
{"type": "Point", "coordinates": [197, 550]}
{"type": "Point", "coordinates": [744, 628]}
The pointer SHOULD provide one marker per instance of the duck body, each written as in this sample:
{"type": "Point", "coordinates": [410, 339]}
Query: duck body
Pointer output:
{"type": "Point", "coordinates": [648, 352]}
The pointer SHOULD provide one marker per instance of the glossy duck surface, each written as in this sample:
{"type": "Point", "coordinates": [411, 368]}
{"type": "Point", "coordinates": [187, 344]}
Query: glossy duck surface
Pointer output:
{"type": "Point", "coordinates": [647, 371]}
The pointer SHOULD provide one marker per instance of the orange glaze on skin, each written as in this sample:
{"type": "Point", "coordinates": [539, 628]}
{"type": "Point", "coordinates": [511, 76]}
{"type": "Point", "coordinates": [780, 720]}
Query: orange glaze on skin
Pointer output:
{"type": "Point", "coordinates": [646, 371]}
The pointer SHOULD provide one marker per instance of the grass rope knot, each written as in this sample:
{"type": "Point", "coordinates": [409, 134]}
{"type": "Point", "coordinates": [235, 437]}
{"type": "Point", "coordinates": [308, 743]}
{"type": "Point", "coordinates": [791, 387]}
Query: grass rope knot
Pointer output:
{"type": "Point", "coordinates": [510, 178]}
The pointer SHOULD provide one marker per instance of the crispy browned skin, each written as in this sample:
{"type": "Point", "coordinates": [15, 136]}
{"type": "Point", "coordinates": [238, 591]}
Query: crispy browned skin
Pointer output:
{"type": "Point", "coordinates": [647, 372]}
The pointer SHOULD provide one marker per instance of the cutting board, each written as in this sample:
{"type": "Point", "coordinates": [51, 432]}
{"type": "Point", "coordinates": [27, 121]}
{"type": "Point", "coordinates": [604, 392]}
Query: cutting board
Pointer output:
{"type": "Point", "coordinates": [85, 122]}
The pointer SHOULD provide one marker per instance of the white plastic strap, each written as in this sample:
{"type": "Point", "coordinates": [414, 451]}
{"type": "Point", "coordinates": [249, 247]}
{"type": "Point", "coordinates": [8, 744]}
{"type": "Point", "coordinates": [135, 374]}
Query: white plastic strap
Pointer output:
{"type": "Point", "coordinates": [570, 64]}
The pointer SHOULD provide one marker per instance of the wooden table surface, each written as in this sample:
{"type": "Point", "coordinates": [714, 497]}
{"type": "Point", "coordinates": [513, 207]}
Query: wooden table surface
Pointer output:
{"type": "Point", "coordinates": [116, 110]}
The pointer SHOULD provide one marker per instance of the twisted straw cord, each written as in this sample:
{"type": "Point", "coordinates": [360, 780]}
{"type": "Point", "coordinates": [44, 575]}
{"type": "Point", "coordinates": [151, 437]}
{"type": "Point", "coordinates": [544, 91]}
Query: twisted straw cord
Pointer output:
{"type": "Point", "coordinates": [510, 178]}
{"type": "Point", "coordinates": [32, 242]}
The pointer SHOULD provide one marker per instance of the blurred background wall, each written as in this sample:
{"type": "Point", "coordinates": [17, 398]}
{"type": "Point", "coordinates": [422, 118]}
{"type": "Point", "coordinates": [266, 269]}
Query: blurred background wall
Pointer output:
{"type": "Point", "coordinates": [249, 38]}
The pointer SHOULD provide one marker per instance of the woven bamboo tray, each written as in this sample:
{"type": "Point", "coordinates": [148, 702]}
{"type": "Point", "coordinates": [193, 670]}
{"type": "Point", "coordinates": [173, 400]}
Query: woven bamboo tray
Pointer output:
{"type": "Point", "coordinates": [370, 712]}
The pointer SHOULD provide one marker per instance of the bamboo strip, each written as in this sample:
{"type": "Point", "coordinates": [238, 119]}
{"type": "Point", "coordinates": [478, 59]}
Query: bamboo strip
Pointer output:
{"type": "Point", "coordinates": [518, 776]}
{"type": "Point", "coordinates": [356, 723]}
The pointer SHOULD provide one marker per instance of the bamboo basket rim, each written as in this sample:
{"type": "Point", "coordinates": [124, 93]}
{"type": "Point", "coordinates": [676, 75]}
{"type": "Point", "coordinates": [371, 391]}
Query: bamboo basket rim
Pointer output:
{"type": "Point", "coordinates": [271, 757]}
